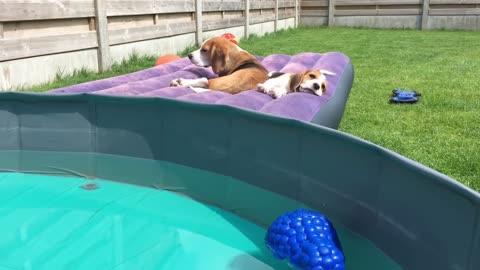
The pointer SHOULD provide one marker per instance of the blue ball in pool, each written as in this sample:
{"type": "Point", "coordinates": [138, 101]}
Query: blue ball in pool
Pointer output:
{"type": "Point", "coordinates": [307, 239]}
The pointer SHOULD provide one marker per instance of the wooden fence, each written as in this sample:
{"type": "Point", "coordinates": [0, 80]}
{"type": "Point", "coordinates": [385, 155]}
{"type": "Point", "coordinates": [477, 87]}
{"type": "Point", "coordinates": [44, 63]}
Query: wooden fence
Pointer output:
{"type": "Point", "coordinates": [33, 29]}
{"type": "Point", "coordinates": [55, 36]}
{"type": "Point", "coordinates": [420, 14]}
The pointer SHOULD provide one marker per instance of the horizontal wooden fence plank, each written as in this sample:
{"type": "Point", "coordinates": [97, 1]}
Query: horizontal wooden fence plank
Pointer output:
{"type": "Point", "coordinates": [141, 7]}
{"type": "Point", "coordinates": [283, 16]}
{"type": "Point", "coordinates": [454, 2]}
{"type": "Point", "coordinates": [35, 46]}
{"type": "Point", "coordinates": [262, 19]}
{"type": "Point", "coordinates": [218, 5]}
{"type": "Point", "coordinates": [262, 4]}
{"type": "Point", "coordinates": [454, 11]}
{"type": "Point", "coordinates": [376, 2]}
{"type": "Point", "coordinates": [314, 13]}
{"type": "Point", "coordinates": [174, 6]}
{"type": "Point", "coordinates": [378, 12]}
{"type": "Point", "coordinates": [286, 3]}
{"type": "Point", "coordinates": [16, 10]}
{"type": "Point", "coordinates": [119, 36]}
{"type": "Point", "coordinates": [310, 5]}
{"type": "Point", "coordinates": [221, 24]}
{"type": "Point", "coordinates": [314, 4]}
{"type": "Point", "coordinates": [129, 7]}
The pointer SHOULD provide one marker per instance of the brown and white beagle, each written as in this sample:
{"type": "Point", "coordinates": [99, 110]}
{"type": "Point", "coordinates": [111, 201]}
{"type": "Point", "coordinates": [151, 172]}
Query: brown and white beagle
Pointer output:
{"type": "Point", "coordinates": [311, 81]}
{"type": "Point", "coordinates": [237, 69]}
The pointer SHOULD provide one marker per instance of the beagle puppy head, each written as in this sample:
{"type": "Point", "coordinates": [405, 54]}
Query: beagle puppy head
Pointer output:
{"type": "Point", "coordinates": [220, 54]}
{"type": "Point", "coordinates": [313, 81]}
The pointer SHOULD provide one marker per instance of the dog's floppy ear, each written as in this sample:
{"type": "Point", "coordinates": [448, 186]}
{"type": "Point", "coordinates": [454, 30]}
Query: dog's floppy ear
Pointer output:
{"type": "Point", "coordinates": [296, 80]}
{"type": "Point", "coordinates": [236, 59]}
{"type": "Point", "coordinates": [218, 57]}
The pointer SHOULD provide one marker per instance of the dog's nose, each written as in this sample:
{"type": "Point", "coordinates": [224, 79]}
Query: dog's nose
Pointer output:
{"type": "Point", "coordinates": [316, 86]}
{"type": "Point", "coordinates": [190, 55]}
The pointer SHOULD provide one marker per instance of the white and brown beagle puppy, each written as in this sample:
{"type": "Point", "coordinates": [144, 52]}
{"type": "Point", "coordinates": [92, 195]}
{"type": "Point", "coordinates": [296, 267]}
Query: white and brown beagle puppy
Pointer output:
{"type": "Point", "coordinates": [237, 69]}
{"type": "Point", "coordinates": [311, 81]}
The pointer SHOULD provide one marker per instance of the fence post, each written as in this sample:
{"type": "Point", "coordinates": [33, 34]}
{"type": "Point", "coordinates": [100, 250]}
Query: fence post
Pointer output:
{"type": "Point", "coordinates": [276, 16]}
{"type": "Point", "coordinates": [247, 18]}
{"type": "Point", "coordinates": [198, 21]}
{"type": "Point", "coordinates": [331, 12]}
{"type": "Point", "coordinates": [104, 60]}
{"type": "Point", "coordinates": [425, 8]}
{"type": "Point", "coordinates": [296, 14]}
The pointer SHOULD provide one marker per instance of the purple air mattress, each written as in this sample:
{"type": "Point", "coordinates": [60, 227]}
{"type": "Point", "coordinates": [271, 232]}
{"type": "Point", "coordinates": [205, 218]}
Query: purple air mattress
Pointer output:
{"type": "Point", "coordinates": [326, 110]}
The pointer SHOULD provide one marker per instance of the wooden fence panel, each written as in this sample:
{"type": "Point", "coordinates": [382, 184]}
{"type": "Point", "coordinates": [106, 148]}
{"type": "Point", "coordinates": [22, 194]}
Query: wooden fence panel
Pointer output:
{"type": "Point", "coordinates": [259, 16]}
{"type": "Point", "coordinates": [454, 11]}
{"type": "Point", "coordinates": [14, 10]}
{"type": "Point", "coordinates": [31, 28]}
{"type": "Point", "coordinates": [262, 4]}
{"type": "Point", "coordinates": [129, 7]}
{"type": "Point", "coordinates": [174, 6]}
{"type": "Point", "coordinates": [306, 4]}
{"type": "Point", "coordinates": [314, 8]}
{"type": "Point", "coordinates": [314, 13]}
{"type": "Point", "coordinates": [376, 2]}
{"type": "Point", "coordinates": [222, 23]}
{"type": "Point", "coordinates": [378, 10]}
{"type": "Point", "coordinates": [141, 7]}
{"type": "Point", "coordinates": [454, 2]}
{"type": "Point", "coordinates": [119, 36]}
{"type": "Point", "coordinates": [35, 46]}
{"type": "Point", "coordinates": [286, 3]}
{"type": "Point", "coordinates": [406, 13]}
{"type": "Point", "coordinates": [219, 5]}
{"type": "Point", "coordinates": [286, 13]}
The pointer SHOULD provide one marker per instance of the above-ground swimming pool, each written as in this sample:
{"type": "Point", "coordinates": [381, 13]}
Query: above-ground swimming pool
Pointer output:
{"type": "Point", "coordinates": [209, 178]}
{"type": "Point", "coordinates": [69, 222]}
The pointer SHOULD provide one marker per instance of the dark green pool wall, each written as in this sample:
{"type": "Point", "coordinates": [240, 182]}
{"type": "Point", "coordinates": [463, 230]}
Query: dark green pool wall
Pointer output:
{"type": "Point", "coordinates": [421, 218]}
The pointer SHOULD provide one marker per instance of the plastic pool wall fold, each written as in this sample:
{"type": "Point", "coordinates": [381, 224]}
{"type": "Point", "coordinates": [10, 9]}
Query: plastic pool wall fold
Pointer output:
{"type": "Point", "coordinates": [419, 217]}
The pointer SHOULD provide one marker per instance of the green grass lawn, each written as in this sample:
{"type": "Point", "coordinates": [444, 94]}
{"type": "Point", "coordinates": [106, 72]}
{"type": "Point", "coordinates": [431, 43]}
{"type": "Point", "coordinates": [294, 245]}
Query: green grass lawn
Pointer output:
{"type": "Point", "coordinates": [442, 131]}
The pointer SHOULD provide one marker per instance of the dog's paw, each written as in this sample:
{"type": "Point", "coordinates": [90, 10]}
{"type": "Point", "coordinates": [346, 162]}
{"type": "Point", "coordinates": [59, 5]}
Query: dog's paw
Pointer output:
{"type": "Point", "coordinates": [176, 82]}
{"type": "Point", "coordinates": [198, 89]}
{"type": "Point", "coordinates": [277, 92]}
{"type": "Point", "coordinates": [261, 88]}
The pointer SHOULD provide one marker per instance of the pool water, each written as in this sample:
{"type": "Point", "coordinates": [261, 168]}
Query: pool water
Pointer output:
{"type": "Point", "coordinates": [65, 223]}
{"type": "Point", "coordinates": [162, 216]}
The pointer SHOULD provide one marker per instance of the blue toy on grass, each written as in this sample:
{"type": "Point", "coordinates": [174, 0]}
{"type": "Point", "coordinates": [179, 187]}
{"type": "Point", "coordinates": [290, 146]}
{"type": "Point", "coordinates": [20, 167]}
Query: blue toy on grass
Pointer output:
{"type": "Point", "coordinates": [404, 96]}
{"type": "Point", "coordinates": [307, 239]}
